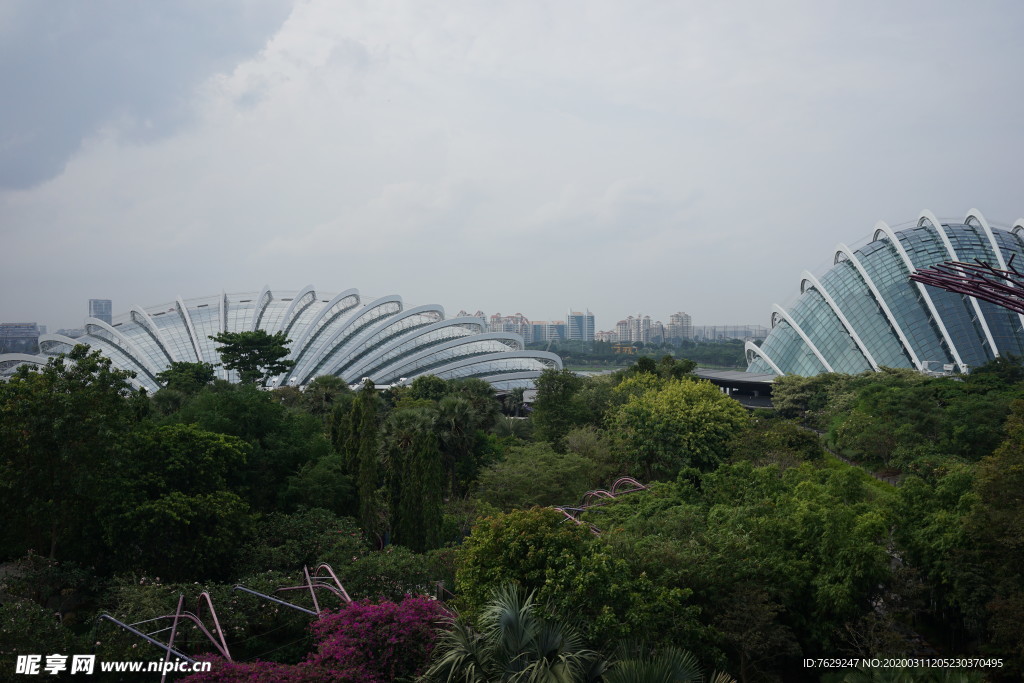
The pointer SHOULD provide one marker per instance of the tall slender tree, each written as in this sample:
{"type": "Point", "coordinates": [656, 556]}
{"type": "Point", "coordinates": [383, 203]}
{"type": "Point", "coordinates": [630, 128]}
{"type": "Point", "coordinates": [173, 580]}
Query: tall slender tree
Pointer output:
{"type": "Point", "coordinates": [365, 438]}
{"type": "Point", "coordinates": [415, 478]}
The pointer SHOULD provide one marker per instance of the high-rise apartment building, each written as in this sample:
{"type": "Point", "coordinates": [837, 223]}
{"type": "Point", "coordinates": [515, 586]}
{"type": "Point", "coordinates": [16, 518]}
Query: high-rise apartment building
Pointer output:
{"type": "Point", "coordinates": [517, 323]}
{"type": "Point", "coordinates": [636, 329]}
{"type": "Point", "coordinates": [680, 326]}
{"type": "Point", "coordinates": [580, 326]}
{"type": "Point", "coordinates": [101, 309]}
{"type": "Point", "coordinates": [544, 330]}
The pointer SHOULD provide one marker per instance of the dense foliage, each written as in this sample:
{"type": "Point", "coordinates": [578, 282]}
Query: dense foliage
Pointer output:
{"type": "Point", "coordinates": [761, 539]}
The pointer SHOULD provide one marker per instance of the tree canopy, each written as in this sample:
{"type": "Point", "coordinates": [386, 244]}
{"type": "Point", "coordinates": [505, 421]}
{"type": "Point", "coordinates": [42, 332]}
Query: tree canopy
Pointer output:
{"type": "Point", "coordinates": [256, 356]}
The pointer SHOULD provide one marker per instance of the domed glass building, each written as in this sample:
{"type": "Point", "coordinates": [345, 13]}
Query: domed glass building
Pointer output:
{"type": "Point", "coordinates": [865, 313]}
{"type": "Point", "coordinates": [344, 334]}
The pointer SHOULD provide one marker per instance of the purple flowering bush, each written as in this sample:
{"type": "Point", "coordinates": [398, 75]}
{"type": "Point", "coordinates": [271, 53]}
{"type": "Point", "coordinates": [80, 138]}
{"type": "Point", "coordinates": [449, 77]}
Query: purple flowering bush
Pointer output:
{"type": "Point", "coordinates": [362, 642]}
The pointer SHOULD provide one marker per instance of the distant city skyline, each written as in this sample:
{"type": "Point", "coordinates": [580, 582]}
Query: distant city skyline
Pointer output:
{"type": "Point", "coordinates": [108, 308]}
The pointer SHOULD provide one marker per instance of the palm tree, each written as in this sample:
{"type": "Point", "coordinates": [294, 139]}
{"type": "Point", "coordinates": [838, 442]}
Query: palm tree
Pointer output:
{"type": "Point", "coordinates": [515, 400]}
{"type": "Point", "coordinates": [668, 665]}
{"type": "Point", "coordinates": [513, 643]}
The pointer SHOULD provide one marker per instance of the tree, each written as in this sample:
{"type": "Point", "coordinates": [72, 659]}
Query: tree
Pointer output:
{"type": "Point", "coordinates": [457, 426]}
{"type": "Point", "coordinates": [323, 483]}
{"type": "Point", "coordinates": [281, 441]}
{"type": "Point", "coordinates": [771, 441]}
{"type": "Point", "coordinates": [173, 513]}
{"type": "Point", "coordinates": [556, 409]}
{"type": "Point", "coordinates": [995, 527]}
{"type": "Point", "coordinates": [415, 478]}
{"type": "Point", "coordinates": [668, 665]}
{"type": "Point", "coordinates": [186, 377]}
{"type": "Point", "coordinates": [512, 641]}
{"type": "Point", "coordinates": [514, 401]}
{"type": "Point", "coordinates": [429, 387]}
{"type": "Point", "coordinates": [682, 424]}
{"type": "Point", "coordinates": [59, 429]}
{"type": "Point", "coordinates": [323, 395]}
{"type": "Point", "coordinates": [286, 542]}
{"type": "Point", "coordinates": [363, 444]}
{"type": "Point", "coordinates": [256, 355]}
{"type": "Point", "coordinates": [534, 474]}
{"type": "Point", "coordinates": [575, 572]}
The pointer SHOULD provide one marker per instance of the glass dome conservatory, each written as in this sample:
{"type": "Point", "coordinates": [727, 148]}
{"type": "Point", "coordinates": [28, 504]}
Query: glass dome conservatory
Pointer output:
{"type": "Point", "coordinates": [865, 313]}
{"type": "Point", "coordinates": [346, 335]}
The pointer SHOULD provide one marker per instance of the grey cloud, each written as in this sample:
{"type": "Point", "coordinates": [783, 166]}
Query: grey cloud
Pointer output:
{"type": "Point", "coordinates": [70, 68]}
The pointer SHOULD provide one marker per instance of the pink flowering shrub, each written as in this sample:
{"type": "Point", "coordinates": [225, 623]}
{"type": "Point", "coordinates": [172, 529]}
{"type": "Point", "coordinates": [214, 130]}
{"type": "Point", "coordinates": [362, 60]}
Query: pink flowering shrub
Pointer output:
{"type": "Point", "coordinates": [362, 642]}
{"type": "Point", "coordinates": [377, 642]}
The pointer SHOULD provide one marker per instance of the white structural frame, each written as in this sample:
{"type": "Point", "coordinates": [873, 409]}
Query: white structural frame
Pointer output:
{"type": "Point", "coordinates": [57, 339]}
{"type": "Point", "coordinates": [953, 256]}
{"type": "Point", "coordinates": [777, 309]}
{"type": "Point", "coordinates": [883, 227]}
{"type": "Point", "coordinates": [127, 346]}
{"type": "Point", "coordinates": [222, 311]}
{"type": "Point", "coordinates": [397, 364]}
{"type": "Point", "coordinates": [488, 358]}
{"type": "Point", "coordinates": [332, 348]}
{"type": "Point", "coordinates": [146, 321]}
{"type": "Point", "coordinates": [335, 334]}
{"type": "Point", "coordinates": [286, 320]}
{"type": "Point", "coordinates": [22, 359]}
{"type": "Point", "coordinates": [879, 299]}
{"type": "Point", "coordinates": [752, 348]}
{"type": "Point", "coordinates": [807, 276]}
{"type": "Point", "coordinates": [183, 312]}
{"type": "Point", "coordinates": [360, 369]}
{"type": "Point", "coordinates": [300, 346]}
{"type": "Point", "coordinates": [974, 214]}
{"type": "Point", "coordinates": [377, 328]}
{"type": "Point", "coordinates": [222, 314]}
{"type": "Point", "coordinates": [262, 301]}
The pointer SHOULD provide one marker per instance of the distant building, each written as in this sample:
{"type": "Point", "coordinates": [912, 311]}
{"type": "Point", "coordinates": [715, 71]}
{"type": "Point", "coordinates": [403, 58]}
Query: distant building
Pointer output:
{"type": "Point", "coordinates": [544, 331]}
{"type": "Point", "coordinates": [657, 332]}
{"type": "Point", "coordinates": [517, 323]}
{"type": "Point", "coordinates": [723, 332]}
{"type": "Point", "coordinates": [680, 326]}
{"type": "Point", "coordinates": [101, 309]}
{"type": "Point", "coordinates": [19, 338]}
{"type": "Point", "coordinates": [579, 326]}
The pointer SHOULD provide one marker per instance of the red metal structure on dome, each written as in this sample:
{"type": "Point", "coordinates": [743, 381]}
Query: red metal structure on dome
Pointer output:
{"type": "Point", "coordinates": [979, 279]}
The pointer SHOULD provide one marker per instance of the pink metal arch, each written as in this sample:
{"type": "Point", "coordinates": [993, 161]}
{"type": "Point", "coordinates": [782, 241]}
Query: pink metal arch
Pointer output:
{"type": "Point", "coordinates": [599, 497]}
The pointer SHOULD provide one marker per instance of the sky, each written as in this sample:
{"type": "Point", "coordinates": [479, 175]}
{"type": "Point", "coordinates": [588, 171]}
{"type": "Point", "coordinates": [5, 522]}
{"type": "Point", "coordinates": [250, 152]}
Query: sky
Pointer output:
{"type": "Point", "coordinates": [528, 156]}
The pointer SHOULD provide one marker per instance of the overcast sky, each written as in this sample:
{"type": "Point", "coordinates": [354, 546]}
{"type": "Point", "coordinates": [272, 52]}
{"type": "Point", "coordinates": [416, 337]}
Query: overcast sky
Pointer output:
{"type": "Point", "coordinates": [521, 156]}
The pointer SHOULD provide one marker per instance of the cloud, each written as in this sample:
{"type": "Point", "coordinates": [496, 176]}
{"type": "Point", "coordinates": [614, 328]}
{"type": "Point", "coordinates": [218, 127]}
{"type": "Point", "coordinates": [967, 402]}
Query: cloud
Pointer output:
{"type": "Point", "coordinates": [505, 156]}
{"type": "Point", "coordinates": [71, 68]}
